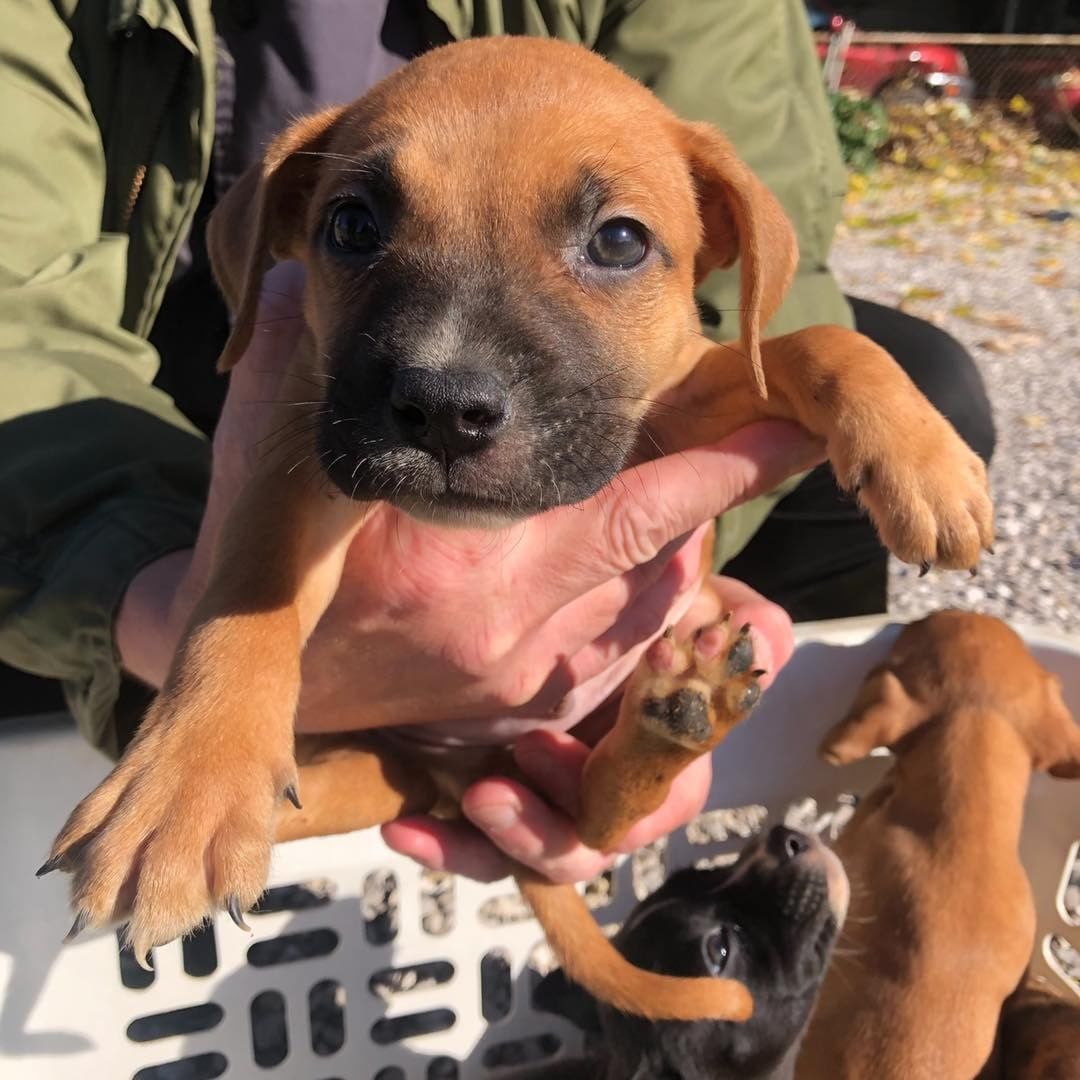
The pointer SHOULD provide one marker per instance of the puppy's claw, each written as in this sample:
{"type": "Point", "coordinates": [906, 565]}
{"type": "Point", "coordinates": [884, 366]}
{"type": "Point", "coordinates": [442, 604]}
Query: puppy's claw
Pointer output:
{"type": "Point", "coordinates": [974, 571]}
{"type": "Point", "coordinates": [924, 569]}
{"type": "Point", "coordinates": [292, 796]}
{"type": "Point", "coordinates": [54, 862]}
{"type": "Point", "coordinates": [142, 959]}
{"type": "Point", "coordinates": [77, 927]}
{"type": "Point", "coordinates": [989, 549]}
{"type": "Point", "coordinates": [232, 906]}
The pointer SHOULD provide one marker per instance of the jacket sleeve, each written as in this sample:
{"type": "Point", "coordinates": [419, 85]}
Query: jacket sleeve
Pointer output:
{"type": "Point", "coordinates": [751, 70]}
{"type": "Point", "coordinates": [99, 472]}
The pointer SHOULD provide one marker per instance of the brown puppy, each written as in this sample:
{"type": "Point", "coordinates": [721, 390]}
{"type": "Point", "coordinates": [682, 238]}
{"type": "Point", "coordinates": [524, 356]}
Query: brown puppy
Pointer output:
{"type": "Point", "coordinates": [1038, 1036]}
{"type": "Point", "coordinates": [501, 243]}
{"type": "Point", "coordinates": [942, 917]}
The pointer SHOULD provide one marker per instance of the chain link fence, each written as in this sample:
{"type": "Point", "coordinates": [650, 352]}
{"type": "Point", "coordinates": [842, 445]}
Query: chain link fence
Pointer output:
{"type": "Point", "coordinates": [1031, 81]}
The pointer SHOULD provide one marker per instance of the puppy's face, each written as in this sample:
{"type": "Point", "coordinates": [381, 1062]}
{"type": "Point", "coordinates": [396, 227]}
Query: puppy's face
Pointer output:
{"type": "Point", "coordinates": [769, 921]}
{"type": "Point", "coordinates": [501, 242]}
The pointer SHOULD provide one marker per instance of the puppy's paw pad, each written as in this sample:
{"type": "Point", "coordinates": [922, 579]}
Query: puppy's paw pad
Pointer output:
{"type": "Point", "coordinates": [694, 691]}
{"type": "Point", "coordinates": [683, 713]}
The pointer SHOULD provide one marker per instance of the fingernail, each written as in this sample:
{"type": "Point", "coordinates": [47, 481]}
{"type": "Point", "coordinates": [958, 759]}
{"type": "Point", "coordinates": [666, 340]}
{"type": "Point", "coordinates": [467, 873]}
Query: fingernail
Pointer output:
{"type": "Point", "coordinates": [494, 817]}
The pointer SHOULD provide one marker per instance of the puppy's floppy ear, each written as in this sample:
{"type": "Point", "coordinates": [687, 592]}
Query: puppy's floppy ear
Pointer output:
{"type": "Point", "coordinates": [261, 218]}
{"type": "Point", "coordinates": [883, 713]}
{"type": "Point", "coordinates": [741, 220]}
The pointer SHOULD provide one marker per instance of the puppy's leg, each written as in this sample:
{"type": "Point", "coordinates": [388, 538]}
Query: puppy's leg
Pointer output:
{"type": "Point", "coordinates": [349, 783]}
{"type": "Point", "coordinates": [682, 700]}
{"type": "Point", "coordinates": [184, 823]}
{"type": "Point", "coordinates": [924, 489]}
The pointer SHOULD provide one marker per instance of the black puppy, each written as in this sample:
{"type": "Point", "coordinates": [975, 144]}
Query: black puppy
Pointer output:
{"type": "Point", "coordinates": [768, 920]}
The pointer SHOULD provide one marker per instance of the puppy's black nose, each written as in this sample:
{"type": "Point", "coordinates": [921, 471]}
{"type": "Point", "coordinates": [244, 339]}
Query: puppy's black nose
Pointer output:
{"type": "Point", "coordinates": [449, 412]}
{"type": "Point", "coordinates": [786, 844]}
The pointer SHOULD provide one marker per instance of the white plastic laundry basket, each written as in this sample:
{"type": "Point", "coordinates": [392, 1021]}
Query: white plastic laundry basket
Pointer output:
{"type": "Point", "coordinates": [333, 983]}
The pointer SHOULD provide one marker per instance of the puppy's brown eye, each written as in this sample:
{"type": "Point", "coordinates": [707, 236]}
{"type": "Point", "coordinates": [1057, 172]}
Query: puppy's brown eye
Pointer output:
{"type": "Point", "coordinates": [352, 228]}
{"type": "Point", "coordinates": [619, 243]}
{"type": "Point", "coordinates": [716, 948]}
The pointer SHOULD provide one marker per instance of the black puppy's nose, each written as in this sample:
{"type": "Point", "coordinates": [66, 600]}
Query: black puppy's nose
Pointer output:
{"type": "Point", "coordinates": [449, 412]}
{"type": "Point", "coordinates": [786, 844]}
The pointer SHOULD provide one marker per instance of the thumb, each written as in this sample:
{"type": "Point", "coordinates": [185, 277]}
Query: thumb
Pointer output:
{"type": "Point", "coordinates": [649, 506]}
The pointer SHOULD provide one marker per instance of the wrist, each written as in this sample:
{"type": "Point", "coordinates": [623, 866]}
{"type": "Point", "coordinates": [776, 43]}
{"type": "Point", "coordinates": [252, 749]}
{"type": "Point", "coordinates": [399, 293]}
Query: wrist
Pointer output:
{"type": "Point", "coordinates": [152, 616]}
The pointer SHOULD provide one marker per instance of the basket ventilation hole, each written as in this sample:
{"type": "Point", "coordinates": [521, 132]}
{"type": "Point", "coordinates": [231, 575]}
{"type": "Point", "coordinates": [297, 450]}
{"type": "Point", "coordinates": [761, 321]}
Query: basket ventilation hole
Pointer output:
{"type": "Point", "coordinates": [132, 976]}
{"type": "Point", "coordinates": [289, 948]}
{"type": "Point", "coordinates": [394, 1029]}
{"type": "Point", "coordinates": [177, 1022]}
{"type": "Point", "coordinates": [379, 902]}
{"type": "Point", "coordinates": [388, 982]}
{"type": "Point", "coordinates": [200, 952]}
{"type": "Point", "coordinates": [326, 1011]}
{"type": "Point", "coordinates": [442, 1068]}
{"type": "Point", "coordinates": [269, 1037]}
{"type": "Point", "coordinates": [521, 1051]}
{"type": "Point", "coordinates": [310, 894]}
{"type": "Point", "coordinates": [199, 1067]}
{"type": "Point", "coordinates": [496, 986]}
{"type": "Point", "coordinates": [391, 1072]}
{"type": "Point", "coordinates": [436, 902]}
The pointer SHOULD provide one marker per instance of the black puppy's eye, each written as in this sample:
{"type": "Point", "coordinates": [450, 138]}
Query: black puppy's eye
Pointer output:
{"type": "Point", "coordinates": [352, 228]}
{"type": "Point", "coordinates": [716, 948]}
{"type": "Point", "coordinates": [619, 243]}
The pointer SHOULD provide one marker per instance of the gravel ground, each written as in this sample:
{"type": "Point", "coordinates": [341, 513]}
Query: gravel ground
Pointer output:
{"type": "Point", "coordinates": [972, 258]}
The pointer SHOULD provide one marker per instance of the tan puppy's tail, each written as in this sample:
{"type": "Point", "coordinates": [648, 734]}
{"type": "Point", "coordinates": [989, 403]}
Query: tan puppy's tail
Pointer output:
{"type": "Point", "coordinates": [590, 960]}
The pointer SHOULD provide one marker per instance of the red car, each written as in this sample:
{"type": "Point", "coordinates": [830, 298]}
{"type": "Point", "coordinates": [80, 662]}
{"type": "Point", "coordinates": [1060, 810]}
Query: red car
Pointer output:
{"type": "Point", "coordinates": [898, 72]}
{"type": "Point", "coordinates": [1047, 78]}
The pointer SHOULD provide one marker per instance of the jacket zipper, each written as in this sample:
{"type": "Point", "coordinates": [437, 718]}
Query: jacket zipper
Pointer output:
{"type": "Point", "coordinates": [139, 177]}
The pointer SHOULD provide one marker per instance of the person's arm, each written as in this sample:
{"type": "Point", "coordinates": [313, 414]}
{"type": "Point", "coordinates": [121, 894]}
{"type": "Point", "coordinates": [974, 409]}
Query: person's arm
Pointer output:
{"type": "Point", "coordinates": [100, 475]}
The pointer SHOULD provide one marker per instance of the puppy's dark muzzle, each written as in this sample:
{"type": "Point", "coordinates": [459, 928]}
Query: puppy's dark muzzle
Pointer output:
{"type": "Point", "coordinates": [449, 413]}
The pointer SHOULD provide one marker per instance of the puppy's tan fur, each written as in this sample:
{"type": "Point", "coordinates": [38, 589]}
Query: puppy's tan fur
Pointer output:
{"type": "Point", "coordinates": [185, 822]}
{"type": "Point", "coordinates": [942, 917]}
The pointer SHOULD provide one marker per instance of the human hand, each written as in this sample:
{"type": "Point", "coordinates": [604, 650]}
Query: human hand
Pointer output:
{"type": "Point", "coordinates": [506, 820]}
{"type": "Point", "coordinates": [434, 624]}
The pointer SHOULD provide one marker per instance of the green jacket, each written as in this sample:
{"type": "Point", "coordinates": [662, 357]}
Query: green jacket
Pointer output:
{"type": "Point", "coordinates": [108, 110]}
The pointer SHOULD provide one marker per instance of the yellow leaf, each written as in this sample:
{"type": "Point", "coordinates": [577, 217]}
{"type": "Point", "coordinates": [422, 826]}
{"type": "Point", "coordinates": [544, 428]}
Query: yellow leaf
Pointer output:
{"type": "Point", "coordinates": [1050, 281]}
{"type": "Point", "coordinates": [920, 292]}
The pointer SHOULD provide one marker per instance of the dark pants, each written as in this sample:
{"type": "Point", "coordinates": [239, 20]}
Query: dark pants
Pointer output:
{"type": "Point", "coordinates": [817, 554]}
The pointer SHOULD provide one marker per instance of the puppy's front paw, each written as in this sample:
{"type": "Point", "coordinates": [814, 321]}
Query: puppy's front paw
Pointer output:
{"type": "Point", "coordinates": [694, 692]}
{"type": "Point", "coordinates": [178, 830]}
{"type": "Point", "coordinates": [925, 490]}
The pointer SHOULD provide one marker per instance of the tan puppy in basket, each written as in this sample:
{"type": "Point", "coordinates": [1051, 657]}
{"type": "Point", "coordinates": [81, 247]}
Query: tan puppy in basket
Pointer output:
{"type": "Point", "coordinates": [942, 918]}
{"type": "Point", "coordinates": [501, 243]}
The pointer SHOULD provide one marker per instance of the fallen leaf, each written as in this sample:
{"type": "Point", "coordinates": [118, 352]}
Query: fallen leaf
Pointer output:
{"type": "Point", "coordinates": [920, 292]}
{"type": "Point", "coordinates": [1033, 421]}
{"type": "Point", "coordinates": [999, 320]}
{"type": "Point", "coordinates": [1007, 343]}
